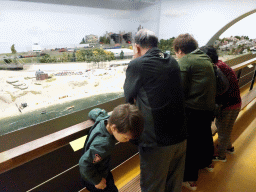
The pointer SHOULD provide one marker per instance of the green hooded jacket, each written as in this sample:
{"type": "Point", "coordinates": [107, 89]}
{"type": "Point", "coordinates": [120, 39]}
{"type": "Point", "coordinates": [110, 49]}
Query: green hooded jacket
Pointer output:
{"type": "Point", "coordinates": [199, 81]}
{"type": "Point", "coordinates": [94, 163]}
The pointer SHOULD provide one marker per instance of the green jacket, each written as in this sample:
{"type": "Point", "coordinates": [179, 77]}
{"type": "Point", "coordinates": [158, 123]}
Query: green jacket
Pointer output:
{"type": "Point", "coordinates": [94, 163]}
{"type": "Point", "coordinates": [198, 80]}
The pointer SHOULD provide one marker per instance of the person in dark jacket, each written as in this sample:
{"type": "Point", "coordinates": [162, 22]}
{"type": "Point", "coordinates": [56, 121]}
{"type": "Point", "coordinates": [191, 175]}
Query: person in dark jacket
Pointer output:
{"type": "Point", "coordinates": [199, 83]}
{"type": "Point", "coordinates": [125, 123]}
{"type": "Point", "coordinates": [230, 103]}
{"type": "Point", "coordinates": [153, 82]}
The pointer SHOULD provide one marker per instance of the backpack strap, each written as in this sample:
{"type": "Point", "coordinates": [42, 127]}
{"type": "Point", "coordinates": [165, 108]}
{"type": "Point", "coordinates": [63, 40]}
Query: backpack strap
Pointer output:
{"type": "Point", "coordinates": [222, 83]}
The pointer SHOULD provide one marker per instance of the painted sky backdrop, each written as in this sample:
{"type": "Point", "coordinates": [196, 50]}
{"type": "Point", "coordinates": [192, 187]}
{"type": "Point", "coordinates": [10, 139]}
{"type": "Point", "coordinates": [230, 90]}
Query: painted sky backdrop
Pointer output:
{"type": "Point", "coordinates": [23, 23]}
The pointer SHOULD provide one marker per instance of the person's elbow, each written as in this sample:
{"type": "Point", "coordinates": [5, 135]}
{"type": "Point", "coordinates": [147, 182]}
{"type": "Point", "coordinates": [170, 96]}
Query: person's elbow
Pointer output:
{"type": "Point", "coordinates": [130, 100]}
{"type": "Point", "coordinates": [128, 97]}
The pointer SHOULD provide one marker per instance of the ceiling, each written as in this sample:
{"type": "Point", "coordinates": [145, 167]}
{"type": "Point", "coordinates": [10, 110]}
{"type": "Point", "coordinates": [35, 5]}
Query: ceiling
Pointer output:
{"type": "Point", "coordinates": [107, 4]}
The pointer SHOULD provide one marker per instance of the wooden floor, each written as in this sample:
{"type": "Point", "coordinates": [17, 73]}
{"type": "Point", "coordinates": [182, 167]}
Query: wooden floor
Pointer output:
{"type": "Point", "coordinates": [238, 174]}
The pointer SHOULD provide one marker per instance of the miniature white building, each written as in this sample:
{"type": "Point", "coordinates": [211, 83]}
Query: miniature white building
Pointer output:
{"type": "Point", "coordinates": [127, 52]}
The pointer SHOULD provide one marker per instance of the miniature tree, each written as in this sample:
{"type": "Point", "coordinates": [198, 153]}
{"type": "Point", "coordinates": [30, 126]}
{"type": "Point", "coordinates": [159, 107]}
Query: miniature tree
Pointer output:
{"type": "Point", "coordinates": [13, 49]}
{"type": "Point", "coordinates": [121, 54]}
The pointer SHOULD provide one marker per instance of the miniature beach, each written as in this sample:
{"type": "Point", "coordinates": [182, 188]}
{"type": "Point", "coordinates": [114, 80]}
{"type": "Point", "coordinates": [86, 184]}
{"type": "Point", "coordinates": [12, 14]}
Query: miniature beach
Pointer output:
{"type": "Point", "coordinates": [69, 81]}
{"type": "Point", "coordinates": [20, 92]}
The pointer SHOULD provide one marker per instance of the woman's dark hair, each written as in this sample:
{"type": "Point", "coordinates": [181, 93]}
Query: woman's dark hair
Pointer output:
{"type": "Point", "coordinates": [127, 118]}
{"type": "Point", "coordinates": [211, 52]}
{"type": "Point", "coordinates": [185, 42]}
{"type": "Point", "coordinates": [146, 38]}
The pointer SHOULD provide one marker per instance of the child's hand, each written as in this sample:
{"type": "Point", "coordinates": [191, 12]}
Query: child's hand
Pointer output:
{"type": "Point", "coordinates": [102, 184]}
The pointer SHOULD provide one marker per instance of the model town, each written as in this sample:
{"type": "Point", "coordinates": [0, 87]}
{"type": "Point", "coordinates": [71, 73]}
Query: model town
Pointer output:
{"type": "Point", "coordinates": [47, 76]}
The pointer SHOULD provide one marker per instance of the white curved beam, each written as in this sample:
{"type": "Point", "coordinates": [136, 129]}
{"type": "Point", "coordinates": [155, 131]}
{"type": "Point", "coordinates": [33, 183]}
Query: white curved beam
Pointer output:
{"type": "Point", "coordinates": [223, 29]}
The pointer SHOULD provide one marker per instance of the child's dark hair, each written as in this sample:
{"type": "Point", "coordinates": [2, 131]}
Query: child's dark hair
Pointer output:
{"type": "Point", "coordinates": [127, 118]}
{"type": "Point", "coordinates": [211, 52]}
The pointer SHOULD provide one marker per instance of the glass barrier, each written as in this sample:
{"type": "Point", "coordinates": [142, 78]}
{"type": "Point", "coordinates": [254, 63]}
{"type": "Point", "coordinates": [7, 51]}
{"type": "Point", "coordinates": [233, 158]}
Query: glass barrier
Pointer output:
{"type": "Point", "coordinates": [238, 44]}
{"type": "Point", "coordinates": [60, 59]}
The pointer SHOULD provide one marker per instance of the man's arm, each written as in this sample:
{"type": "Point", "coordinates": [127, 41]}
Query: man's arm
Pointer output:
{"type": "Point", "coordinates": [133, 82]}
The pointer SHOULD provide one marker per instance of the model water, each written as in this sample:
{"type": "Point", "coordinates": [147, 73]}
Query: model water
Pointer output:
{"type": "Point", "coordinates": [21, 121]}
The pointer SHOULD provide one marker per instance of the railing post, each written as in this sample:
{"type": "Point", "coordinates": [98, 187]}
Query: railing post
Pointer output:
{"type": "Point", "coordinates": [253, 79]}
{"type": "Point", "coordinates": [239, 74]}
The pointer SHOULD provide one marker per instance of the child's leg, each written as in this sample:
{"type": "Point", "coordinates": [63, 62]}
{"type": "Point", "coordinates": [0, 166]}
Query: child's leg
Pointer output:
{"type": "Point", "coordinates": [111, 187]}
{"type": "Point", "coordinates": [90, 187]}
{"type": "Point", "coordinates": [225, 122]}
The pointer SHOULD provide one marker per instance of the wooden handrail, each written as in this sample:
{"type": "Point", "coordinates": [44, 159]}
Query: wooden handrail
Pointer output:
{"type": "Point", "coordinates": [36, 131]}
{"type": "Point", "coordinates": [24, 153]}
{"type": "Point", "coordinates": [244, 64]}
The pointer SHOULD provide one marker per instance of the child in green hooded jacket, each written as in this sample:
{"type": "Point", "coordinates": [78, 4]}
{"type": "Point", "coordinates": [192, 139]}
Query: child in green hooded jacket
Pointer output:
{"type": "Point", "coordinates": [125, 123]}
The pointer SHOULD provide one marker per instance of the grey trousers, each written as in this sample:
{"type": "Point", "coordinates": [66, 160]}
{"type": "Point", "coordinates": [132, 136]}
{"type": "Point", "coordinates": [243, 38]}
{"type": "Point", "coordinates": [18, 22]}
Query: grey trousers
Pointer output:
{"type": "Point", "coordinates": [224, 123]}
{"type": "Point", "coordinates": [162, 168]}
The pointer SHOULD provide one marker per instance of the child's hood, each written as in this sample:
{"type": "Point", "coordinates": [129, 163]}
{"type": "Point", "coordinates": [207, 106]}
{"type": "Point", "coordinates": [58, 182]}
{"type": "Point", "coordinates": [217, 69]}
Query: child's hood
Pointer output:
{"type": "Point", "coordinates": [98, 114]}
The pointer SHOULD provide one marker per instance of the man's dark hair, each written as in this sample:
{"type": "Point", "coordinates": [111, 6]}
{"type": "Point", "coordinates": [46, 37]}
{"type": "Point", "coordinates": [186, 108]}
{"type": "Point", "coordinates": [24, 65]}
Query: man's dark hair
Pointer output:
{"type": "Point", "coordinates": [185, 42]}
{"type": "Point", "coordinates": [127, 118]}
{"type": "Point", "coordinates": [146, 38]}
{"type": "Point", "coordinates": [211, 52]}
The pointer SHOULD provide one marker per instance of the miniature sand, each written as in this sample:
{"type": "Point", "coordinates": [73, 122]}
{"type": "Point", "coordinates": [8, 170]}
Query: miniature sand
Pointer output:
{"type": "Point", "coordinates": [58, 89]}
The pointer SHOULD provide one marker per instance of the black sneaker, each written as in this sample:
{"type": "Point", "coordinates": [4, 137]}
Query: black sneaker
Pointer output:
{"type": "Point", "coordinates": [231, 150]}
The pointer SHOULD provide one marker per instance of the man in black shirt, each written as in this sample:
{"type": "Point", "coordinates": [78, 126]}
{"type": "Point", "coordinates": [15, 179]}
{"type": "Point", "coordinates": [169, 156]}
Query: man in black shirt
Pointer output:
{"type": "Point", "coordinates": [153, 81]}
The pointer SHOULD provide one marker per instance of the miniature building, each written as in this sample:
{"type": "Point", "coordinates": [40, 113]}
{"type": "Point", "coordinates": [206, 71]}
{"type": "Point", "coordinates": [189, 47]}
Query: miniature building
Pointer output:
{"type": "Point", "coordinates": [40, 75]}
{"type": "Point", "coordinates": [128, 37]}
{"type": "Point", "coordinates": [91, 38]}
{"type": "Point", "coordinates": [122, 37]}
{"type": "Point", "coordinates": [116, 38]}
{"type": "Point", "coordinates": [128, 53]}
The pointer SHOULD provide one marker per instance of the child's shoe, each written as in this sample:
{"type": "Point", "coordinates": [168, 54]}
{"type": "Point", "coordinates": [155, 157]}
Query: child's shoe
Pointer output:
{"type": "Point", "coordinates": [217, 158]}
{"type": "Point", "coordinates": [231, 150]}
{"type": "Point", "coordinates": [190, 185]}
{"type": "Point", "coordinates": [210, 168]}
